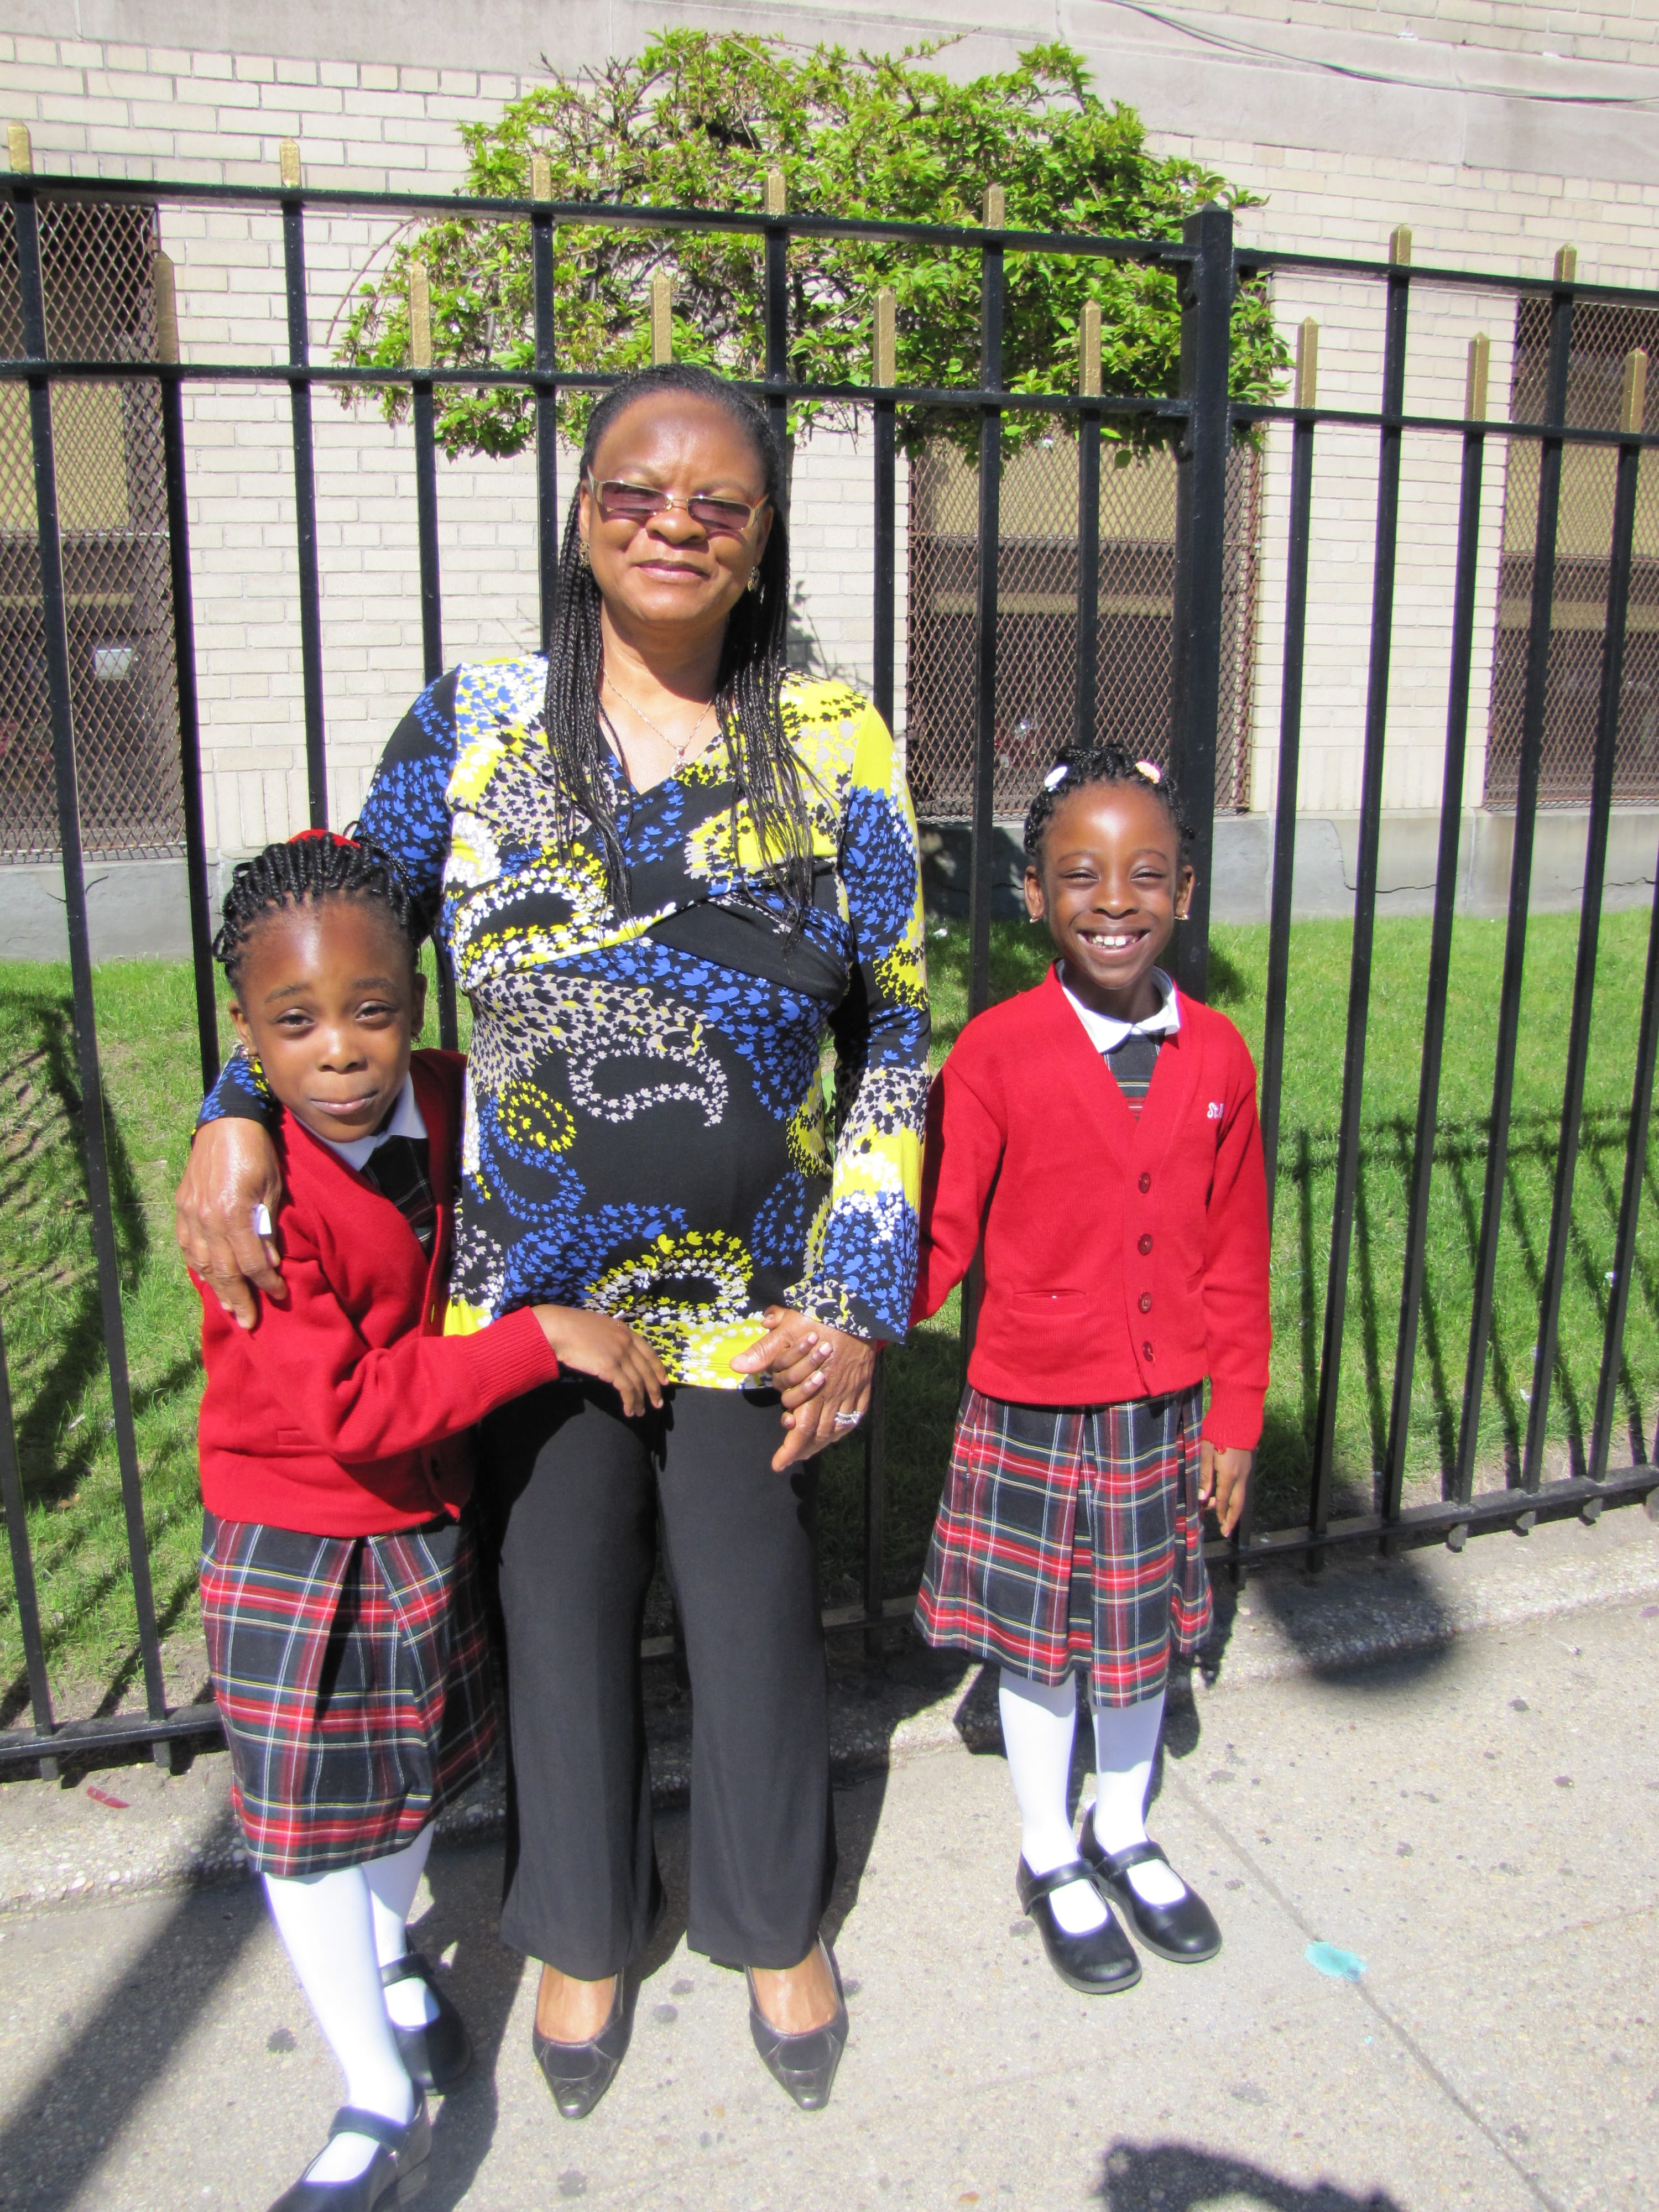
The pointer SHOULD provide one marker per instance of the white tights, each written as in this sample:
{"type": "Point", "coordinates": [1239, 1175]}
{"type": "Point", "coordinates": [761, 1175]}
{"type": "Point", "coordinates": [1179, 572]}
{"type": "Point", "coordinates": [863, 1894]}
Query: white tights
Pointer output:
{"type": "Point", "coordinates": [339, 1929]}
{"type": "Point", "coordinates": [1038, 1726]}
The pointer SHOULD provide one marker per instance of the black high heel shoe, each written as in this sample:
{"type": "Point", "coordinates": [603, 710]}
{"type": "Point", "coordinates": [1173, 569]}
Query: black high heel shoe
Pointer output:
{"type": "Point", "coordinates": [1097, 1965]}
{"type": "Point", "coordinates": [439, 2052]}
{"type": "Point", "coordinates": [1185, 1932]}
{"type": "Point", "coordinates": [579, 2074]}
{"type": "Point", "coordinates": [803, 2064]}
{"type": "Point", "coordinates": [398, 2152]}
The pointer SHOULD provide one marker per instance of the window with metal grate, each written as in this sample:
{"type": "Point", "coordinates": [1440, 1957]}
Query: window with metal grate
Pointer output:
{"type": "Point", "coordinates": [98, 275]}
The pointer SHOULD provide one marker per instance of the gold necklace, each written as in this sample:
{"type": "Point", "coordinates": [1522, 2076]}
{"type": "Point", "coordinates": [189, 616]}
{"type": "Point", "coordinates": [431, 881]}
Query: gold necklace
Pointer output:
{"type": "Point", "coordinates": [679, 747]}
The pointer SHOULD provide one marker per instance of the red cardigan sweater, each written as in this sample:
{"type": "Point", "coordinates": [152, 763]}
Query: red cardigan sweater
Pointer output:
{"type": "Point", "coordinates": [339, 1413]}
{"type": "Point", "coordinates": [1124, 1257]}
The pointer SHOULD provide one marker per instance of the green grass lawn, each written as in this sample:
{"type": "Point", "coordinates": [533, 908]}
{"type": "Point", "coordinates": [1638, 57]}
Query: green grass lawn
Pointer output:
{"type": "Point", "coordinates": [48, 1306]}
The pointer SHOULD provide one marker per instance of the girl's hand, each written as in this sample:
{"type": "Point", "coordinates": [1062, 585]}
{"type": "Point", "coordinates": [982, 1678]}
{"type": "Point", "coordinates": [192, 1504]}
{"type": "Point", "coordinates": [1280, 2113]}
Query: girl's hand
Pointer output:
{"type": "Point", "coordinates": [819, 1372]}
{"type": "Point", "coordinates": [593, 1344]}
{"type": "Point", "coordinates": [231, 1174]}
{"type": "Point", "coordinates": [1223, 1480]}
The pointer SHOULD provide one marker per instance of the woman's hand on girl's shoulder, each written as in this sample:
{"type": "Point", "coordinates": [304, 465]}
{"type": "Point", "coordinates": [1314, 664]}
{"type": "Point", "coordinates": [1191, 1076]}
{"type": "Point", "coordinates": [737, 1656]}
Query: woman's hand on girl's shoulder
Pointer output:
{"type": "Point", "coordinates": [1224, 1481]}
{"type": "Point", "coordinates": [594, 1344]}
{"type": "Point", "coordinates": [232, 1179]}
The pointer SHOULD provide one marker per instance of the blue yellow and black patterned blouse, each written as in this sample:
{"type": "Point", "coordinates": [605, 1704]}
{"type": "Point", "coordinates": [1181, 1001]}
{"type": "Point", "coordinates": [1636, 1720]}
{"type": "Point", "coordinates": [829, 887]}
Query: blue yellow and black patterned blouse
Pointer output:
{"type": "Point", "coordinates": [647, 1130]}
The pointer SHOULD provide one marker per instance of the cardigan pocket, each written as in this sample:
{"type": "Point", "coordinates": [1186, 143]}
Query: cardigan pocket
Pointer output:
{"type": "Point", "coordinates": [1051, 1305]}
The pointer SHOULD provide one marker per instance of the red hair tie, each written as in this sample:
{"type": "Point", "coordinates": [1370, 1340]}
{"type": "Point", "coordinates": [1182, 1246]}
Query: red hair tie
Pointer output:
{"type": "Point", "coordinates": [305, 836]}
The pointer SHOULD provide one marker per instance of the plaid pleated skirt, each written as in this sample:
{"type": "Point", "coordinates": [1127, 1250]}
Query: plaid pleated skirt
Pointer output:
{"type": "Point", "coordinates": [1072, 1536]}
{"type": "Point", "coordinates": [353, 1677]}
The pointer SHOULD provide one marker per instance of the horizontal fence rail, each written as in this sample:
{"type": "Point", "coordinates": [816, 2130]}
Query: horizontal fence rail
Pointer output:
{"type": "Point", "coordinates": [1204, 424]}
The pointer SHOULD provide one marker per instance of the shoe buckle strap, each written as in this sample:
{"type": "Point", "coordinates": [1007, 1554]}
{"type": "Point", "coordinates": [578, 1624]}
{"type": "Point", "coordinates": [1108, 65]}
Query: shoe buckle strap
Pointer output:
{"type": "Point", "coordinates": [392, 2135]}
{"type": "Point", "coordinates": [1115, 1864]}
{"type": "Point", "coordinates": [1060, 1877]}
{"type": "Point", "coordinates": [412, 1967]}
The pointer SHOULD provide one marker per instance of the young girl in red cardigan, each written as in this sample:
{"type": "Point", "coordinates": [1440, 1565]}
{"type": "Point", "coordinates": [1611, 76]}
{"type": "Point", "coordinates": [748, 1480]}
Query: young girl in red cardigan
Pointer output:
{"type": "Point", "coordinates": [345, 1634]}
{"type": "Point", "coordinates": [1095, 1140]}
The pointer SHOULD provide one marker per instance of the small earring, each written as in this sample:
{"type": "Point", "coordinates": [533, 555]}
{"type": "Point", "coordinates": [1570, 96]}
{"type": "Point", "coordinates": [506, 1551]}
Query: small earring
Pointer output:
{"type": "Point", "coordinates": [753, 585]}
{"type": "Point", "coordinates": [583, 561]}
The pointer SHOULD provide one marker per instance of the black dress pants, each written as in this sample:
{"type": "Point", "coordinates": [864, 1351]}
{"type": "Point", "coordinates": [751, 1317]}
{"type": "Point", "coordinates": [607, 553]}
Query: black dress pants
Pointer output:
{"type": "Point", "coordinates": [571, 1492]}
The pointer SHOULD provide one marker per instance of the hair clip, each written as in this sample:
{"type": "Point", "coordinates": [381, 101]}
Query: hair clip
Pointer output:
{"type": "Point", "coordinates": [307, 836]}
{"type": "Point", "coordinates": [1057, 775]}
{"type": "Point", "coordinates": [1151, 770]}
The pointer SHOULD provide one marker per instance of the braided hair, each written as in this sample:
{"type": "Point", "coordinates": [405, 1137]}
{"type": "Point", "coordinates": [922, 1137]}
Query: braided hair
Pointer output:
{"type": "Point", "coordinates": [317, 864]}
{"type": "Point", "coordinates": [751, 670]}
{"type": "Point", "coordinates": [1076, 767]}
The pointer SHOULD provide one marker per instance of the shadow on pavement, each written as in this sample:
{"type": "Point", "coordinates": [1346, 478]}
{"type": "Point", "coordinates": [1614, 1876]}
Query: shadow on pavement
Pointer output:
{"type": "Point", "coordinates": [1343, 1619]}
{"type": "Point", "coordinates": [1175, 2177]}
{"type": "Point", "coordinates": [74, 2110]}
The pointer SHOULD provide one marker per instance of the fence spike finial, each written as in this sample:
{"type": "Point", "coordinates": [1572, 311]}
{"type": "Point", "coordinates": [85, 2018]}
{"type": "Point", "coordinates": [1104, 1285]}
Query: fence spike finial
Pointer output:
{"type": "Point", "coordinates": [1566, 265]}
{"type": "Point", "coordinates": [996, 207]}
{"type": "Point", "coordinates": [166, 308]}
{"type": "Point", "coordinates": [1087, 351]}
{"type": "Point", "coordinates": [1400, 245]}
{"type": "Point", "coordinates": [420, 317]}
{"type": "Point", "coordinates": [1632, 400]}
{"type": "Point", "coordinates": [883, 350]}
{"type": "Point", "coordinates": [1307, 363]}
{"type": "Point", "coordinates": [1474, 384]}
{"type": "Point", "coordinates": [287, 162]}
{"type": "Point", "coordinates": [662, 317]}
{"type": "Point", "coordinates": [776, 200]}
{"type": "Point", "coordinates": [541, 177]}
{"type": "Point", "coordinates": [19, 148]}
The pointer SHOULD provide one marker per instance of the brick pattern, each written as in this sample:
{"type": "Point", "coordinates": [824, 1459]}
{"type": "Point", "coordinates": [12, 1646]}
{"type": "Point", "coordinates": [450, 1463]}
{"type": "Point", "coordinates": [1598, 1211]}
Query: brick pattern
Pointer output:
{"type": "Point", "coordinates": [149, 112]}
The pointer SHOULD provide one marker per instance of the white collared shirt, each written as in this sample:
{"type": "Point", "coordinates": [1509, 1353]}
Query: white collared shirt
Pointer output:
{"type": "Point", "coordinates": [1105, 1033]}
{"type": "Point", "coordinates": [403, 1121]}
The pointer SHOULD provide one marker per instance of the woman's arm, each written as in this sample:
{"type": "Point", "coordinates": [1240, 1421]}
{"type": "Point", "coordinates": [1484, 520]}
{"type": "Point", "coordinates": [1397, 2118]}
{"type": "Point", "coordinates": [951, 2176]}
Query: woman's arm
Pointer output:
{"type": "Point", "coordinates": [233, 1169]}
{"type": "Point", "coordinates": [861, 1274]}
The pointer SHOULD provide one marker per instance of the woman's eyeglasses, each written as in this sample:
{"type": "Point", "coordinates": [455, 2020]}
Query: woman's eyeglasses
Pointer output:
{"type": "Point", "coordinates": [621, 501]}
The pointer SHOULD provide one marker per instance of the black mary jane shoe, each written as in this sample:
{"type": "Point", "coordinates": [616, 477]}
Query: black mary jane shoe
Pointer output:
{"type": "Point", "coordinates": [1184, 1932]}
{"type": "Point", "coordinates": [398, 2152]}
{"type": "Point", "coordinates": [579, 2074]}
{"type": "Point", "coordinates": [439, 2052]}
{"type": "Point", "coordinates": [1097, 1965]}
{"type": "Point", "coordinates": [803, 2064]}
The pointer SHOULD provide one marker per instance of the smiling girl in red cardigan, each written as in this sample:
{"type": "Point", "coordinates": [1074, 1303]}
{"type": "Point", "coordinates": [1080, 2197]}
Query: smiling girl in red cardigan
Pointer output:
{"type": "Point", "coordinates": [1095, 1140]}
{"type": "Point", "coordinates": [345, 1632]}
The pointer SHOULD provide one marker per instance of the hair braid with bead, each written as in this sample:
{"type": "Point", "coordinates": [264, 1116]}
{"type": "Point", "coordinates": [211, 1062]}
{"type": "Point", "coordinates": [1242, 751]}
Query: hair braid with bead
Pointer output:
{"type": "Point", "coordinates": [1076, 767]}
{"type": "Point", "coordinates": [748, 683]}
{"type": "Point", "coordinates": [313, 867]}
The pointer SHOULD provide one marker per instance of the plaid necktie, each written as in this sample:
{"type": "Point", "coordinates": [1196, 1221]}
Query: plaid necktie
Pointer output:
{"type": "Point", "coordinates": [1132, 1062]}
{"type": "Point", "coordinates": [398, 1168]}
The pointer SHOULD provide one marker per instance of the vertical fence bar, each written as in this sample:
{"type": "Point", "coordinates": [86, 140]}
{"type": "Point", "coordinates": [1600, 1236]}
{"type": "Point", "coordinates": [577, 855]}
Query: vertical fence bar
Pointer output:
{"type": "Point", "coordinates": [547, 398]}
{"type": "Point", "coordinates": [884, 374]}
{"type": "Point", "coordinates": [1088, 530]}
{"type": "Point", "coordinates": [54, 611]}
{"type": "Point", "coordinates": [1289, 750]}
{"type": "Point", "coordinates": [983, 850]}
{"type": "Point", "coordinates": [305, 483]}
{"type": "Point", "coordinates": [431, 606]}
{"type": "Point", "coordinates": [1364, 904]}
{"type": "Point", "coordinates": [1440, 934]}
{"type": "Point", "coordinates": [777, 309]}
{"type": "Point", "coordinates": [1589, 922]}
{"type": "Point", "coordinates": [1206, 300]}
{"type": "Point", "coordinates": [1526, 811]}
{"type": "Point", "coordinates": [1647, 1053]}
{"type": "Point", "coordinates": [184, 653]}
{"type": "Point", "coordinates": [22, 1570]}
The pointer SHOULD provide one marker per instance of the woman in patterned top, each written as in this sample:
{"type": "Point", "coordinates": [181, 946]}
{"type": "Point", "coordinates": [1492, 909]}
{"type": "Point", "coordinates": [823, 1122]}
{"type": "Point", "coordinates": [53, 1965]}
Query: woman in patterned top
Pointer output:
{"type": "Point", "coordinates": [668, 871]}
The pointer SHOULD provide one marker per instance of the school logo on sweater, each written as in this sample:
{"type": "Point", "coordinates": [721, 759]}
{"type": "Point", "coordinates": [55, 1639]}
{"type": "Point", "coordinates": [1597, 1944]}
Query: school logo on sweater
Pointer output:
{"type": "Point", "coordinates": [1215, 1109]}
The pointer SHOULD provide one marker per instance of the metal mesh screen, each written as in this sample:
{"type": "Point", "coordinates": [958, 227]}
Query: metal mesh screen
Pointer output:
{"type": "Point", "coordinates": [96, 271]}
{"type": "Point", "coordinates": [1036, 646]}
{"type": "Point", "coordinates": [1602, 336]}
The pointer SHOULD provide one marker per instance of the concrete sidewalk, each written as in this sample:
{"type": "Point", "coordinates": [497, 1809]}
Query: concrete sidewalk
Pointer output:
{"type": "Point", "coordinates": [1472, 1810]}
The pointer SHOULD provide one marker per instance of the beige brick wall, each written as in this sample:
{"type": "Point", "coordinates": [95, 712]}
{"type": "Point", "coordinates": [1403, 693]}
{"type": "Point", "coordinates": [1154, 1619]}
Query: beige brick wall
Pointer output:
{"type": "Point", "coordinates": [104, 107]}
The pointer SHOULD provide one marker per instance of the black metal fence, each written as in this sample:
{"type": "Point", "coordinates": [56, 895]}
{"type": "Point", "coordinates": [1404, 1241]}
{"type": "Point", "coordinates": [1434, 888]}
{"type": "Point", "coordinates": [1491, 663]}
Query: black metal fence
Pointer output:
{"type": "Point", "coordinates": [1205, 427]}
